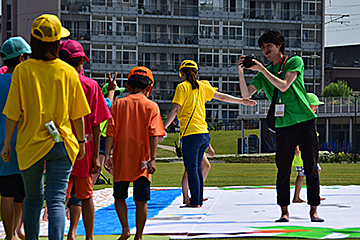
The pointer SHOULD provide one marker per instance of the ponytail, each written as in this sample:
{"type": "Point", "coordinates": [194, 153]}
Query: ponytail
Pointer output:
{"type": "Point", "coordinates": [190, 74]}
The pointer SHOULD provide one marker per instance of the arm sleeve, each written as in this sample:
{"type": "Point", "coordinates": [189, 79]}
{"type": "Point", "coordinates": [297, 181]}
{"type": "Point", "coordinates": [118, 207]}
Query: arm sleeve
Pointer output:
{"type": "Point", "coordinates": [99, 109]}
{"type": "Point", "coordinates": [110, 130]}
{"type": "Point", "coordinates": [179, 96]}
{"type": "Point", "coordinates": [209, 91]}
{"type": "Point", "coordinates": [13, 109]}
{"type": "Point", "coordinates": [78, 105]}
{"type": "Point", "coordinates": [156, 127]}
{"type": "Point", "coordinates": [294, 64]}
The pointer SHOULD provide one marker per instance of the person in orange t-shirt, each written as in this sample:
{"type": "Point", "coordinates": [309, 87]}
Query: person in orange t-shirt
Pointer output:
{"type": "Point", "coordinates": [133, 130]}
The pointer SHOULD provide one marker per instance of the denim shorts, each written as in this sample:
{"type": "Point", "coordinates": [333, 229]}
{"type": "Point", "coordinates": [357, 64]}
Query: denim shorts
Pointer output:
{"type": "Point", "coordinates": [141, 189]}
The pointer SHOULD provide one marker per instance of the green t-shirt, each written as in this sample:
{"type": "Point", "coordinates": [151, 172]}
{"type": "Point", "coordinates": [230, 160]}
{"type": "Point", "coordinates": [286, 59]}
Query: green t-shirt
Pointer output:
{"type": "Point", "coordinates": [297, 107]}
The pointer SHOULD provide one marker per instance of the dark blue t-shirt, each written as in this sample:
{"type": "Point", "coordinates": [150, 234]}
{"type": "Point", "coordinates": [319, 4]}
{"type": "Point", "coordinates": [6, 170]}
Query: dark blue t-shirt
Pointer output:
{"type": "Point", "coordinates": [11, 167]}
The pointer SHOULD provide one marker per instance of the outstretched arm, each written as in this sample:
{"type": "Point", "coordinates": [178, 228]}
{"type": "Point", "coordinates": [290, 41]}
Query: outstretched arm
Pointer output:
{"type": "Point", "coordinates": [174, 111]}
{"type": "Point", "coordinates": [231, 99]}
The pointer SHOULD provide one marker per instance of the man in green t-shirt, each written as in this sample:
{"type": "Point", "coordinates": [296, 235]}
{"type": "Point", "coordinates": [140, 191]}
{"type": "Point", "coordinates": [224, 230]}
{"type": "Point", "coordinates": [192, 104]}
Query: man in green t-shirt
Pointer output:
{"type": "Point", "coordinates": [296, 126]}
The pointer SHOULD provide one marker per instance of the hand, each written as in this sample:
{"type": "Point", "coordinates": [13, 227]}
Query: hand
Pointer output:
{"type": "Point", "coordinates": [211, 151]}
{"type": "Point", "coordinates": [151, 166]}
{"type": "Point", "coordinates": [97, 165]}
{"type": "Point", "coordinates": [81, 153]}
{"type": "Point", "coordinates": [249, 102]}
{"type": "Point", "coordinates": [5, 153]}
{"type": "Point", "coordinates": [112, 82]}
{"type": "Point", "coordinates": [109, 164]}
{"type": "Point", "coordinates": [160, 139]}
{"type": "Point", "coordinates": [240, 63]}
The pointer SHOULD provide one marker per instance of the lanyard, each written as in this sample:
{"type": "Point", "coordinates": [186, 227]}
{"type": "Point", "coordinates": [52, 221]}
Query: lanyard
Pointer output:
{"type": "Point", "coordinates": [280, 72]}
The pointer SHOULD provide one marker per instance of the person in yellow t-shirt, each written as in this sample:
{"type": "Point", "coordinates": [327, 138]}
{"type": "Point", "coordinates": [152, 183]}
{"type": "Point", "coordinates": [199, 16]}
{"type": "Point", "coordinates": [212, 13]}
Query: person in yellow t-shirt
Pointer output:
{"type": "Point", "coordinates": [45, 89]}
{"type": "Point", "coordinates": [189, 106]}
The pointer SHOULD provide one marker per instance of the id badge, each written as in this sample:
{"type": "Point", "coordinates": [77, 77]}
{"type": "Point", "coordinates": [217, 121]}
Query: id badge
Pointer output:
{"type": "Point", "coordinates": [279, 110]}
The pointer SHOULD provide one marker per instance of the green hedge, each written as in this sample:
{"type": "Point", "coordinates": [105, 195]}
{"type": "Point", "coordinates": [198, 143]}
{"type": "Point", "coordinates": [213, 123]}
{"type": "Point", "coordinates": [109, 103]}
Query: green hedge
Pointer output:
{"type": "Point", "coordinates": [324, 157]}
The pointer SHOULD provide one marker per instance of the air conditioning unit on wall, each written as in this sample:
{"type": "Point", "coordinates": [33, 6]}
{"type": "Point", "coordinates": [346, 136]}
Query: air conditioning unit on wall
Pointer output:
{"type": "Point", "coordinates": [140, 11]}
{"type": "Point", "coordinates": [85, 9]}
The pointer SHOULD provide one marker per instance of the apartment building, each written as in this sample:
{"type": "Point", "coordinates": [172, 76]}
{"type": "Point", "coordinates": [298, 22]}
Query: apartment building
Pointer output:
{"type": "Point", "coordinates": [159, 34]}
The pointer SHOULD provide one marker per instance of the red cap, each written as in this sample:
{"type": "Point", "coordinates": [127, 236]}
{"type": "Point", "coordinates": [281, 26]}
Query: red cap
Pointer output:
{"type": "Point", "coordinates": [74, 48]}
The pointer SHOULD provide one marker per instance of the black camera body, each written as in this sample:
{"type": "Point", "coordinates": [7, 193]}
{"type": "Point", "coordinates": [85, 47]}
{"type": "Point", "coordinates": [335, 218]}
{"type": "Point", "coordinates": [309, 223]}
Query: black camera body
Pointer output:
{"type": "Point", "coordinates": [248, 61]}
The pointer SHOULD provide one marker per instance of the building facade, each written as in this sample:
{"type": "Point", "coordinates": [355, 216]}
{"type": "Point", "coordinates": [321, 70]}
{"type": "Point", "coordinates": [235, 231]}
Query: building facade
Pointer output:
{"type": "Point", "coordinates": [159, 34]}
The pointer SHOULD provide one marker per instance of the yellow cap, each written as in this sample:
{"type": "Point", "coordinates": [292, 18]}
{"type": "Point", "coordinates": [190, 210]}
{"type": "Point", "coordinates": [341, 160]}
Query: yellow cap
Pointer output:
{"type": "Point", "coordinates": [188, 64]}
{"type": "Point", "coordinates": [47, 28]}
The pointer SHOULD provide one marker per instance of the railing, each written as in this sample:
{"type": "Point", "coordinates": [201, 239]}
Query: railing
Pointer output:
{"type": "Point", "coordinates": [269, 12]}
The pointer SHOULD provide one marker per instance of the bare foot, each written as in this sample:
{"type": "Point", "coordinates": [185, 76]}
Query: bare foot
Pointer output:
{"type": "Point", "coordinates": [124, 236]}
{"type": "Point", "coordinates": [186, 201]}
{"type": "Point", "coordinates": [298, 200]}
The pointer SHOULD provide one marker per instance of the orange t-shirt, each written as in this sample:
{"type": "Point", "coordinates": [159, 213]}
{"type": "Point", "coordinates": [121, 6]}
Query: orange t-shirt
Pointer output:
{"type": "Point", "coordinates": [134, 120]}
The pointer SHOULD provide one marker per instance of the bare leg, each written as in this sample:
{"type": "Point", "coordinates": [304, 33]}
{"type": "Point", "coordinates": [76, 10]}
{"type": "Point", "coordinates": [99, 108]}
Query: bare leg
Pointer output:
{"type": "Point", "coordinates": [20, 231]}
{"type": "Point", "coordinates": [7, 215]}
{"type": "Point", "coordinates": [141, 215]}
{"type": "Point", "coordinates": [122, 211]}
{"type": "Point", "coordinates": [185, 188]}
{"type": "Point", "coordinates": [18, 209]}
{"type": "Point", "coordinates": [96, 175]}
{"type": "Point", "coordinates": [205, 167]}
{"type": "Point", "coordinates": [298, 186]}
{"type": "Point", "coordinates": [88, 217]}
{"type": "Point", "coordinates": [75, 211]}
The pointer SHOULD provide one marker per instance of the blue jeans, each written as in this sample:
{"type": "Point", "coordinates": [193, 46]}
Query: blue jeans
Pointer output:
{"type": "Point", "coordinates": [58, 168]}
{"type": "Point", "coordinates": [193, 147]}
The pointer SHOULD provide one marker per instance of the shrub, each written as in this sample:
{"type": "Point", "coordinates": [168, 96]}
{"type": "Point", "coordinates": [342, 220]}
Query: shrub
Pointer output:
{"type": "Point", "coordinates": [338, 89]}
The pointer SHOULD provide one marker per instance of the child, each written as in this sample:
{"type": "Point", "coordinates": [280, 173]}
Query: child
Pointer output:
{"type": "Point", "coordinates": [189, 105]}
{"type": "Point", "coordinates": [81, 176]}
{"type": "Point", "coordinates": [298, 162]}
{"type": "Point", "coordinates": [45, 89]}
{"type": "Point", "coordinates": [110, 91]}
{"type": "Point", "coordinates": [134, 129]}
{"type": "Point", "coordinates": [14, 51]}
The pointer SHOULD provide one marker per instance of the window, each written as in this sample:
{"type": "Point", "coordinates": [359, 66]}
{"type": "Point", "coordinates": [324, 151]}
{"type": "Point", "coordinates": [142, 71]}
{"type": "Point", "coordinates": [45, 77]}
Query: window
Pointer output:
{"type": "Point", "coordinates": [232, 30]}
{"type": "Point", "coordinates": [126, 54]}
{"type": "Point", "coordinates": [101, 54]}
{"type": "Point", "coordinates": [126, 26]}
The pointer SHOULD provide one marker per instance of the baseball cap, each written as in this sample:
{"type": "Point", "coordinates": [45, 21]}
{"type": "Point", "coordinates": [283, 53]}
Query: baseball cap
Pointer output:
{"type": "Point", "coordinates": [188, 64]}
{"type": "Point", "coordinates": [313, 99]}
{"type": "Point", "coordinates": [47, 28]}
{"type": "Point", "coordinates": [14, 47]}
{"type": "Point", "coordinates": [141, 71]}
{"type": "Point", "coordinates": [74, 48]}
{"type": "Point", "coordinates": [104, 89]}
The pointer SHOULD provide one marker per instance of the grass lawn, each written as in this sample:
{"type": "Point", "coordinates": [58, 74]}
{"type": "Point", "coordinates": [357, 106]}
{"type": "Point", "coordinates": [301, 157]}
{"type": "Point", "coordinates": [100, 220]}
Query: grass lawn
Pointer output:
{"type": "Point", "coordinates": [224, 142]}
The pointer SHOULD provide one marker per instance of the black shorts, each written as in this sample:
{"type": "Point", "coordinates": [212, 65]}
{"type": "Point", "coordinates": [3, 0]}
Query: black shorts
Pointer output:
{"type": "Point", "coordinates": [141, 189]}
{"type": "Point", "coordinates": [12, 186]}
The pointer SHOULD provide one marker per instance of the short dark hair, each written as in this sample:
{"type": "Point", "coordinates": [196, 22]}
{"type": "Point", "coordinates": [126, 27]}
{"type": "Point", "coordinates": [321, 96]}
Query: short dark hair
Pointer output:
{"type": "Point", "coordinates": [274, 37]}
{"type": "Point", "coordinates": [139, 81]}
{"type": "Point", "coordinates": [63, 54]}
{"type": "Point", "coordinates": [13, 62]}
{"type": "Point", "coordinates": [44, 50]}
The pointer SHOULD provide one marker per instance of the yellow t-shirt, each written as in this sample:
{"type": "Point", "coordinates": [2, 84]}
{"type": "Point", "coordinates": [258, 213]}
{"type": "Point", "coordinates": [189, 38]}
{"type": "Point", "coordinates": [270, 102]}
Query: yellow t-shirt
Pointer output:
{"type": "Point", "coordinates": [42, 91]}
{"type": "Point", "coordinates": [186, 97]}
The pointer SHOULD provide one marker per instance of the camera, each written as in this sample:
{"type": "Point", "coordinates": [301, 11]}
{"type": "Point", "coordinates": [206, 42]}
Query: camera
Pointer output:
{"type": "Point", "coordinates": [248, 61]}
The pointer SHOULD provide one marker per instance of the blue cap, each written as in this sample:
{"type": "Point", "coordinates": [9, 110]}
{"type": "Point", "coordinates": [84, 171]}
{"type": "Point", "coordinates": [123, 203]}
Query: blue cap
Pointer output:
{"type": "Point", "coordinates": [14, 47]}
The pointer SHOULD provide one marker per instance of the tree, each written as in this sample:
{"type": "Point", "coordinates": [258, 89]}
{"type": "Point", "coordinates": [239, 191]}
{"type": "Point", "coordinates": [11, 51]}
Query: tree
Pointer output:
{"type": "Point", "coordinates": [338, 89]}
